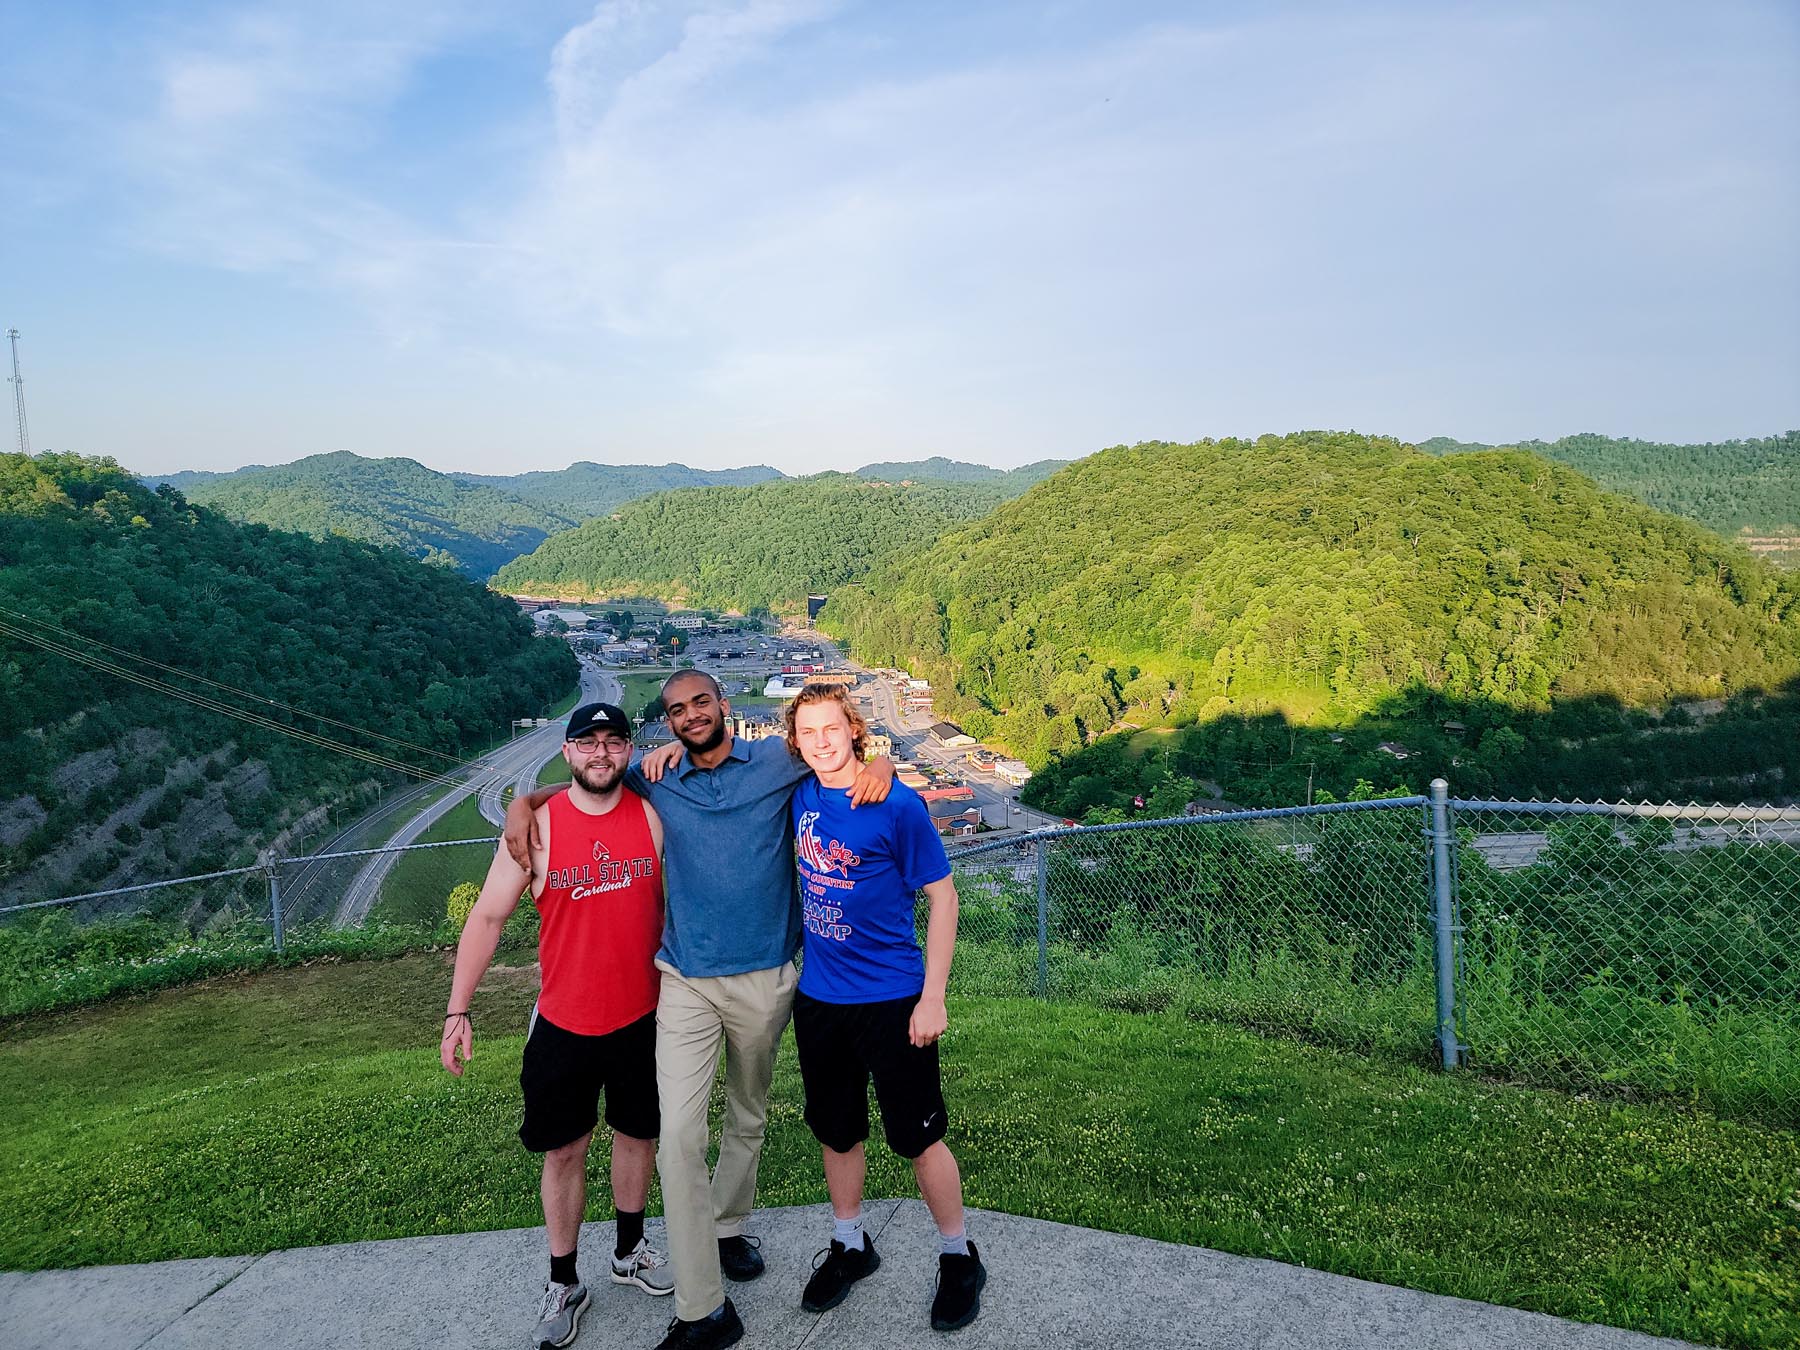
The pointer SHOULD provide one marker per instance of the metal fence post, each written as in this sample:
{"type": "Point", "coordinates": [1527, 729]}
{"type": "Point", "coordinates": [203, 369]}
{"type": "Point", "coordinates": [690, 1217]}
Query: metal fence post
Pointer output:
{"type": "Point", "coordinates": [1043, 899]}
{"type": "Point", "coordinates": [1443, 920]}
{"type": "Point", "coordinates": [274, 875]}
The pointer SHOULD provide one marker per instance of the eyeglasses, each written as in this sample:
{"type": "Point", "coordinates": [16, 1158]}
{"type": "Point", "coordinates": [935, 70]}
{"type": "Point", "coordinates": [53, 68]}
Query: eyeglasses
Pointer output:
{"type": "Point", "coordinates": [589, 745]}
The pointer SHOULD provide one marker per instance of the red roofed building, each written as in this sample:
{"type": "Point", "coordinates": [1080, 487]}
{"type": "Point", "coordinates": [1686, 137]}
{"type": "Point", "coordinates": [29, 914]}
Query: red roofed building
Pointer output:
{"type": "Point", "coordinates": [947, 794]}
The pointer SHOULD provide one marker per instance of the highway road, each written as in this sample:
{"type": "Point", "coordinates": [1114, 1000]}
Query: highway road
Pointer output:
{"type": "Point", "coordinates": [1509, 851]}
{"type": "Point", "coordinates": [514, 765]}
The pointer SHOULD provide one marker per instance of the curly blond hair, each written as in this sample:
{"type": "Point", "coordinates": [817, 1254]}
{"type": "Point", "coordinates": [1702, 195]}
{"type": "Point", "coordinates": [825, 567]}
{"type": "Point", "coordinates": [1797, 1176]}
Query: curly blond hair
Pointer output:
{"type": "Point", "coordinates": [827, 693]}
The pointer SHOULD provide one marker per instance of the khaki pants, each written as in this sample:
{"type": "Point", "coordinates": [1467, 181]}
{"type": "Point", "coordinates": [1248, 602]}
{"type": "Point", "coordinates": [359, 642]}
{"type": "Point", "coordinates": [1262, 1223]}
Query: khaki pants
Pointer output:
{"type": "Point", "coordinates": [748, 1011]}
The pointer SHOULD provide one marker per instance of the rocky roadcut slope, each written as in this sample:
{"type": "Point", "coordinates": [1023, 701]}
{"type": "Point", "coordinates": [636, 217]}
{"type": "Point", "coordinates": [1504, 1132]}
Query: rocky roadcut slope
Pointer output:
{"type": "Point", "coordinates": [103, 781]}
{"type": "Point", "coordinates": [1316, 575]}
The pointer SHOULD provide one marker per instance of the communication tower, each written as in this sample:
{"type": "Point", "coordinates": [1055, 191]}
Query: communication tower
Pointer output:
{"type": "Point", "coordinates": [18, 384]}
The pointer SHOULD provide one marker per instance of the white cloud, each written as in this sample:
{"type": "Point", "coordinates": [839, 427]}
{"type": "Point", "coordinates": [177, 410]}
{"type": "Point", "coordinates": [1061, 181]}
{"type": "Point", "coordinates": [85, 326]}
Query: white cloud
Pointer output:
{"type": "Point", "coordinates": [777, 214]}
{"type": "Point", "coordinates": [238, 163]}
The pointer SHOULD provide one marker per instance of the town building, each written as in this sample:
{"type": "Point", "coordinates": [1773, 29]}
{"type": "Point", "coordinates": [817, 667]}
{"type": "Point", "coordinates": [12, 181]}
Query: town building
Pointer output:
{"type": "Point", "coordinates": [947, 794]}
{"type": "Point", "coordinates": [751, 727]}
{"type": "Point", "coordinates": [1013, 771]}
{"type": "Point", "coordinates": [951, 736]}
{"type": "Point", "coordinates": [951, 817]}
{"type": "Point", "coordinates": [573, 618]}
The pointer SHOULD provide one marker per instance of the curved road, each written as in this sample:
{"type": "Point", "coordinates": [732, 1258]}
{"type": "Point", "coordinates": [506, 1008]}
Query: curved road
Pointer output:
{"type": "Point", "coordinates": [514, 765]}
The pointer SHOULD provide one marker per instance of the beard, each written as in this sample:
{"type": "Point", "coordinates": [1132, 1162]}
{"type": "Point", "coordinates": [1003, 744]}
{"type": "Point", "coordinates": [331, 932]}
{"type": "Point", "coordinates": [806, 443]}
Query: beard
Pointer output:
{"type": "Point", "coordinates": [711, 741]}
{"type": "Point", "coordinates": [598, 778]}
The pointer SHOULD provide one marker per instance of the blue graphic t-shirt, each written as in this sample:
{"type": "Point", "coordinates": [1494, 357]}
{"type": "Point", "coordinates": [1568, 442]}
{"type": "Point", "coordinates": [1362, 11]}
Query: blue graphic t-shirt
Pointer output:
{"type": "Point", "coordinates": [858, 873]}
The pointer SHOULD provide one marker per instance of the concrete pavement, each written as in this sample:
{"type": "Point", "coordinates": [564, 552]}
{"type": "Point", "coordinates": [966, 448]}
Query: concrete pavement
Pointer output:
{"type": "Point", "coordinates": [1049, 1284]}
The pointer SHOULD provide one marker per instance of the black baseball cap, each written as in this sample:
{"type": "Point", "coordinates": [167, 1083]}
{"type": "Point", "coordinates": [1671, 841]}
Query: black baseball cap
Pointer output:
{"type": "Point", "coordinates": [597, 717]}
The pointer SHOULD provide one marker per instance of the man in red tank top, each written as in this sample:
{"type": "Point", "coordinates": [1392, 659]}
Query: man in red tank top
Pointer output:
{"type": "Point", "coordinates": [597, 879]}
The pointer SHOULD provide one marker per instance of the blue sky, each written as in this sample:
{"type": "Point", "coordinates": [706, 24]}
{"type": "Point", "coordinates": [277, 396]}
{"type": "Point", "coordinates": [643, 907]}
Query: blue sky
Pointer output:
{"type": "Point", "coordinates": [814, 234]}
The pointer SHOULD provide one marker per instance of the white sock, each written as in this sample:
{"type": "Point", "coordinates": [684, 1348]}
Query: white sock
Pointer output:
{"type": "Point", "coordinates": [954, 1244]}
{"type": "Point", "coordinates": [849, 1232]}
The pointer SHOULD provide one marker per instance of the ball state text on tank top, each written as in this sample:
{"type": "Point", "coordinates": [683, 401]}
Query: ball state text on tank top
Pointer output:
{"type": "Point", "coordinates": [599, 877]}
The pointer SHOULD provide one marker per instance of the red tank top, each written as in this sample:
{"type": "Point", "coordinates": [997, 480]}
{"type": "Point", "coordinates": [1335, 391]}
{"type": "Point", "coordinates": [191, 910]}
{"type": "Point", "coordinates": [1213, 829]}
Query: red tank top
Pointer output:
{"type": "Point", "coordinates": [600, 917]}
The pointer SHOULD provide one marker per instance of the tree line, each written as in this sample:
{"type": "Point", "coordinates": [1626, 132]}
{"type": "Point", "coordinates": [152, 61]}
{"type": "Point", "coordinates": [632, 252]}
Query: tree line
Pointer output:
{"type": "Point", "coordinates": [1314, 577]}
{"type": "Point", "coordinates": [763, 546]}
{"type": "Point", "coordinates": [1750, 486]}
{"type": "Point", "coordinates": [104, 778]}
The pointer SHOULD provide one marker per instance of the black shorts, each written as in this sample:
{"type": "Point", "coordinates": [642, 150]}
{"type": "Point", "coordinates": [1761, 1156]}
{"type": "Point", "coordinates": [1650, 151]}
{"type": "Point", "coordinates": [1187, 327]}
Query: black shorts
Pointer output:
{"type": "Point", "coordinates": [843, 1045]}
{"type": "Point", "coordinates": [563, 1073]}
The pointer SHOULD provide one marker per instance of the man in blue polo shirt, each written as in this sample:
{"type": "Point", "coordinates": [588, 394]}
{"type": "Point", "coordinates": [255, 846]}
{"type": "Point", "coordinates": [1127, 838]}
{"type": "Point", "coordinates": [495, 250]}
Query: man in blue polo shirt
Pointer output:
{"type": "Point", "coordinates": [868, 1005]}
{"type": "Point", "coordinates": [731, 930]}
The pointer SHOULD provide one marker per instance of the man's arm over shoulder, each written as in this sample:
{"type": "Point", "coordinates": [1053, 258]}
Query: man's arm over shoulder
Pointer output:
{"type": "Point", "coordinates": [524, 830]}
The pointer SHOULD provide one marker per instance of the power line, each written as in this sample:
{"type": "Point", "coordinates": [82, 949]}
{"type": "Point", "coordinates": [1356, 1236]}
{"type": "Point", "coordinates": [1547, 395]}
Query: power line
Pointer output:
{"type": "Point", "coordinates": [119, 652]}
{"type": "Point", "coordinates": [214, 705]}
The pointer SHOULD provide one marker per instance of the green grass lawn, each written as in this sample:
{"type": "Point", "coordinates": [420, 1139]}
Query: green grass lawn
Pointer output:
{"type": "Point", "coordinates": [306, 1106]}
{"type": "Point", "coordinates": [744, 702]}
{"type": "Point", "coordinates": [415, 890]}
{"type": "Point", "coordinates": [639, 691]}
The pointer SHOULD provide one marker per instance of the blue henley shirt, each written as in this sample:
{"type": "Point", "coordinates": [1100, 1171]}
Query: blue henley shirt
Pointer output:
{"type": "Point", "coordinates": [728, 859]}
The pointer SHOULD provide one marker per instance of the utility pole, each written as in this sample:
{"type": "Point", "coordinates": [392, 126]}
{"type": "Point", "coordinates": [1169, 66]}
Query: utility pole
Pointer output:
{"type": "Point", "coordinates": [18, 384]}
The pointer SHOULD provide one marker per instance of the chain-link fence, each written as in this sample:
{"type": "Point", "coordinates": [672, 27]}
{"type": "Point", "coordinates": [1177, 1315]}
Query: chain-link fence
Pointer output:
{"type": "Point", "coordinates": [370, 902]}
{"type": "Point", "coordinates": [1635, 949]}
{"type": "Point", "coordinates": [1304, 921]}
{"type": "Point", "coordinates": [1644, 949]}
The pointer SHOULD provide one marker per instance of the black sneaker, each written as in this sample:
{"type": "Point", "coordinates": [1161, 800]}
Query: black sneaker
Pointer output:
{"type": "Point", "coordinates": [738, 1258]}
{"type": "Point", "coordinates": [833, 1276]}
{"type": "Point", "coordinates": [723, 1328]}
{"type": "Point", "coordinates": [958, 1299]}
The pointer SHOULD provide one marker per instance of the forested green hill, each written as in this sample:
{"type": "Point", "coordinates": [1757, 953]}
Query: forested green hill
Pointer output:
{"type": "Point", "coordinates": [585, 489]}
{"type": "Point", "coordinates": [763, 546]}
{"type": "Point", "coordinates": [102, 780]}
{"type": "Point", "coordinates": [937, 469]}
{"type": "Point", "coordinates": [186, 480]}
{"type": "Point", "coordinates": [1312, 578]}
{"type": "Point", "coordinates": [1751, 486]}
{"type": "Point", "coordinates": [397, 503]}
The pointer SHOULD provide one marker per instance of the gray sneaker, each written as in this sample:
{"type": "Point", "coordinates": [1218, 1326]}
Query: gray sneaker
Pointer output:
{"type": "Point", "coordinates": [560, 1315]}
{"type": "Point", "coordinates": [645, 1267]}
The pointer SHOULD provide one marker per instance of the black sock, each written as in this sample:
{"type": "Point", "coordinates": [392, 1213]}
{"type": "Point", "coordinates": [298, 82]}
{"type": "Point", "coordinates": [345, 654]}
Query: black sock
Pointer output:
{"type": "Point", "coordinates": [562, 1269]}
{"type": "Point", "coordinates": [631, 1232]}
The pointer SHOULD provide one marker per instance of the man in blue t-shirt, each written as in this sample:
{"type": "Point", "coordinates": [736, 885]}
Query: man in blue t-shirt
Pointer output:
{"type": "Point", "coordinates": [868, 1005]}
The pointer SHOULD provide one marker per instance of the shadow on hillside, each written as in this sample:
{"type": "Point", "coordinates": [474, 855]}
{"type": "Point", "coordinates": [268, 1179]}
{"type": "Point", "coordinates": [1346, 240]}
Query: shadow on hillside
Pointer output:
{"type": "Point", "coordinates": [1745, 748]}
